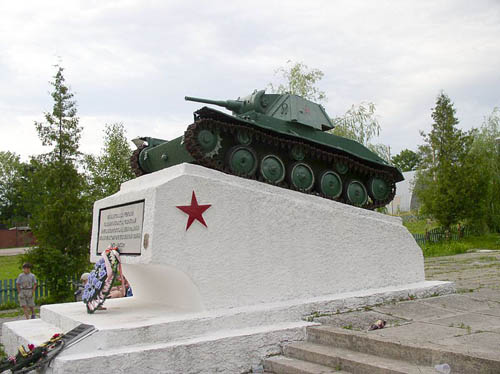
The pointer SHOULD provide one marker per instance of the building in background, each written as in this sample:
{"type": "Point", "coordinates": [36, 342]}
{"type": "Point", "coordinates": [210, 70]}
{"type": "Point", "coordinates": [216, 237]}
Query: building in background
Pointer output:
{"type": "Point", "coordinates": [405, 200]}
{"type": "Point", "coordinates": [16, 237]}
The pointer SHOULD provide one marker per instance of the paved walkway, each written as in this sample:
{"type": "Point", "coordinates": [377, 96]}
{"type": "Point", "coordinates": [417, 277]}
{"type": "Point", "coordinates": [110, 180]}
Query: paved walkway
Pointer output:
{"type": "Point", "coordinates": [13, 251]}
{"type": "Point", "coordinates": [466, 322]}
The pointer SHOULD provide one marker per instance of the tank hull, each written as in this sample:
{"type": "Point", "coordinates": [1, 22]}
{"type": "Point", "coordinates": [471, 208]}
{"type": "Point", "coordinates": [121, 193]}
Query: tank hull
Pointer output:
{"type": "Point", "coordinates": [282, 153]}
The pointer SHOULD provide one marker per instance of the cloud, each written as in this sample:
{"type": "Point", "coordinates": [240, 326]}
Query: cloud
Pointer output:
{"type": "Point", "coordinates": [134, 61]}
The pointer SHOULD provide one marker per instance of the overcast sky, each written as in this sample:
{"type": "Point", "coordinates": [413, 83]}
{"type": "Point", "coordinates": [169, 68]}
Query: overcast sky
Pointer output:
{"type": "Point", "coordinates": [134, 61]}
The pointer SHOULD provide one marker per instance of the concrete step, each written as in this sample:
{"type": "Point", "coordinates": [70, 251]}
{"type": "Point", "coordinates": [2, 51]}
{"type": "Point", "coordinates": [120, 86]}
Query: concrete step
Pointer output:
{"type": "Point", "coordinates": [288, 365]}
{"type": "Point", "coordinates": [369, 343]}
{"type": "Point", "coordinates": [404, 349]}
{"type": "Point", "coordinates": [351, 361]}
{"type": "Point", "coordinates": [24, 332]}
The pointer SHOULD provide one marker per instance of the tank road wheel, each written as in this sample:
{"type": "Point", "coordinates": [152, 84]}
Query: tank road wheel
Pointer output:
{"type": "Point", "coordinates": [302, 176]}
{"type": "Point", "coordinates": [242, 160]}
{"type": "Point", "coordinates": [330, 184]}
{"type": "Point", "coordinates": [272, 169]}
{"type": "Point", "coordinates": [378, 189]}
{"type": "Point", "coordinates": [209, 142]}
{"type": "Point", "coordinates": [356, 193]}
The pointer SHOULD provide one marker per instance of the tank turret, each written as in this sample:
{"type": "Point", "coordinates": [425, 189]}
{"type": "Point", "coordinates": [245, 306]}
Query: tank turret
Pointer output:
{"type": "Point", "coordinates": [280, 139]}
{"type": "Point", "coordinates": [282, 107]}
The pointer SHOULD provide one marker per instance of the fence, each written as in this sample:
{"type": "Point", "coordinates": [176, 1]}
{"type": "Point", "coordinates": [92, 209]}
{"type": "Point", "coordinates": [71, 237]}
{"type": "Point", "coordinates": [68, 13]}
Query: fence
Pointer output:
{"type": "Point", "coordinates": [440, 234]}
{"type": "Point", "coordinates": [8, 290]}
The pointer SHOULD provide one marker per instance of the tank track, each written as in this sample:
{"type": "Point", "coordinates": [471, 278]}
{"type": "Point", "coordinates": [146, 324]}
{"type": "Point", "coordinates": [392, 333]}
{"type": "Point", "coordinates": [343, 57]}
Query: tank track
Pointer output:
{"type": "Point", "coordinates": [312, 151]}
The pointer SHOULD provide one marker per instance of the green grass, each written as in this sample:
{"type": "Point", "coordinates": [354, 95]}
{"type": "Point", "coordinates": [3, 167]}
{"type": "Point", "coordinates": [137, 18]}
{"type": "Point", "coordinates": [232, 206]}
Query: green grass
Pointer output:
{"type": "Point", "coordinates": [448, 248]}
{"type": "Point", "coordinates": [455, 247]}
{"type": "Point", "coordinates": [16, 312]}
{"type": "Point", "coordinates": [419, 227]}
{"type": "Point", "coordinates": [10, 266]}
{"type": "Point", "coordinates": [8, 306]}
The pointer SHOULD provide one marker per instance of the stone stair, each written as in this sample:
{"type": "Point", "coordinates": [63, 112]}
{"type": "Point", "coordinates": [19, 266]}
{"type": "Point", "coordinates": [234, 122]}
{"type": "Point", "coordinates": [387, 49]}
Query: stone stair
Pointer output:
{"type": "Point", "coordinates": [334, 350]}
{"type": "Point", "coordinates": [289, 365]}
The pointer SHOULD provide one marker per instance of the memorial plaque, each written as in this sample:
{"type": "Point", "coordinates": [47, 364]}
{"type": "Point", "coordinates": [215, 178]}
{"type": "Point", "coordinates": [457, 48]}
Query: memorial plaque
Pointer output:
{"type": "Point", "coordinates": [121, 226]}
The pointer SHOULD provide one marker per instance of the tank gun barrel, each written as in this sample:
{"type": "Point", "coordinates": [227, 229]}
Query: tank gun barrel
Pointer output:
{"type": "Point", "coordinates": [233, 105]}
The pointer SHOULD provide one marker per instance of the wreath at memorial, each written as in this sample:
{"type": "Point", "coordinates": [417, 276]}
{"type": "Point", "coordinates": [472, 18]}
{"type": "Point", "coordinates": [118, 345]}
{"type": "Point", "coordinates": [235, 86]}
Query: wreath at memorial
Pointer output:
{"type": "Point", "coordinates": [101, 279]}
{"type": "Point", "coordinates": [33, 357]}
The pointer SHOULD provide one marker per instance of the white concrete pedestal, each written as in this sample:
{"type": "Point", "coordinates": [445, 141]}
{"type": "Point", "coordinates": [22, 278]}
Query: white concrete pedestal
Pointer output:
{"type": "Point", "coordinates": [221, 297]}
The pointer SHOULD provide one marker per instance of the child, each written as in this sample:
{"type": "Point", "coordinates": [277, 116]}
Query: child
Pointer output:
{"type": "Point", "coordinates": [26, 286]}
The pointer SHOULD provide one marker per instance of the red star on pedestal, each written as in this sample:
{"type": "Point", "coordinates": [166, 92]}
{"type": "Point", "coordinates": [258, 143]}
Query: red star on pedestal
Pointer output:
{"type": "Point", "coordinates": [194, 211]}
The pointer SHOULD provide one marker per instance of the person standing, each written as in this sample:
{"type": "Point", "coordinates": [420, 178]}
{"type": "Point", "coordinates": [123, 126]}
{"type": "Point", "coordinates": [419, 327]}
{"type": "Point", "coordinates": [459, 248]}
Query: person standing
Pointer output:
{"type": "Point", "coordinates": [26, 286]}
{"type": "Point", "coordinates": [81, 287]}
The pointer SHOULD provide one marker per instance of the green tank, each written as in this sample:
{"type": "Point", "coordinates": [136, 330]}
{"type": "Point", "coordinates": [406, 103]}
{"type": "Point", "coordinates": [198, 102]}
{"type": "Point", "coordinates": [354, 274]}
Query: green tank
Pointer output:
{"type": "Point", "coordinates": [281, 139]}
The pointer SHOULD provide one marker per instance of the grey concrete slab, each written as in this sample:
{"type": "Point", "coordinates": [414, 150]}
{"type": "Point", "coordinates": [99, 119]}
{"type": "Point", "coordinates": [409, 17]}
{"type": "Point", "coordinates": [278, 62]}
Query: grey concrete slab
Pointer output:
{"type": "Point", "coordinates": [483, 344]}
{"type": "Point", "coordinates": [485, 294]}
{"type": "Point", "coordinates": [359, 320]}
{"type": "Point", "coordinates": [494, 310]}
{"type": "Point", "coordinates": [414, 310]}
{"type": "Point", "coordinates": [472, 322]}
{"type": "Point", "coordinates": [419, 332]}
{"type": "Point", "coordinates": [463, 329]}
{"type": "Point", "coordinates": [457, 302]}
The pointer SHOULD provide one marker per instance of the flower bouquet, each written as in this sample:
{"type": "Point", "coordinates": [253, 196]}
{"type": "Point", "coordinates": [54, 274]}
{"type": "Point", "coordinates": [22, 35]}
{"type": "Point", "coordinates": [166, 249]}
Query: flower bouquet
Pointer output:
{"type": "Point", "coordinates": [34, 357]}
{"type": "Point", "coordinates": [101, 279]}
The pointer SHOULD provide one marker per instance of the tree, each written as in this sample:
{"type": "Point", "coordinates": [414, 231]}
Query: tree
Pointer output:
{"type": "Point", "coordinates": [61, 128]}
{"type": "Point", "coordinates": [360, 123]}
{"type": "Point", "coordinates": [482, 170]}
{"type": "Point", "coordinates": [60, 213]}
{"type": "Point", "coordinates": [407, 160]}
{"type": "Point", "coordinates": [11, 173]}
{"type": "Point", "coordinates": [299, 80]}
{"type": "Point", "coordinates": [443, 178]}
{"type": "Point", "coordinates": [112, 167]}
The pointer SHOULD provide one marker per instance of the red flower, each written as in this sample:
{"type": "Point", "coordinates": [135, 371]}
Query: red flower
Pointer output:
{"type": "Point", "coordinates": [31, 347]}
{"type": "Point", "coordinates": [55, 336]}
{"type": "Point", "coordinates": [12, 359]}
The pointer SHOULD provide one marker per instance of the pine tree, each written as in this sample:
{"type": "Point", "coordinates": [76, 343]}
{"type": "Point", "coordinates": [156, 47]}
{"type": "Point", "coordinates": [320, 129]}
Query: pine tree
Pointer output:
{"type": "Point", "coordinates": [443, 180]}
{"type": "Point", "coordinates": [60, 213]}
{"type": "Point", "coordinates": [61, 128]}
